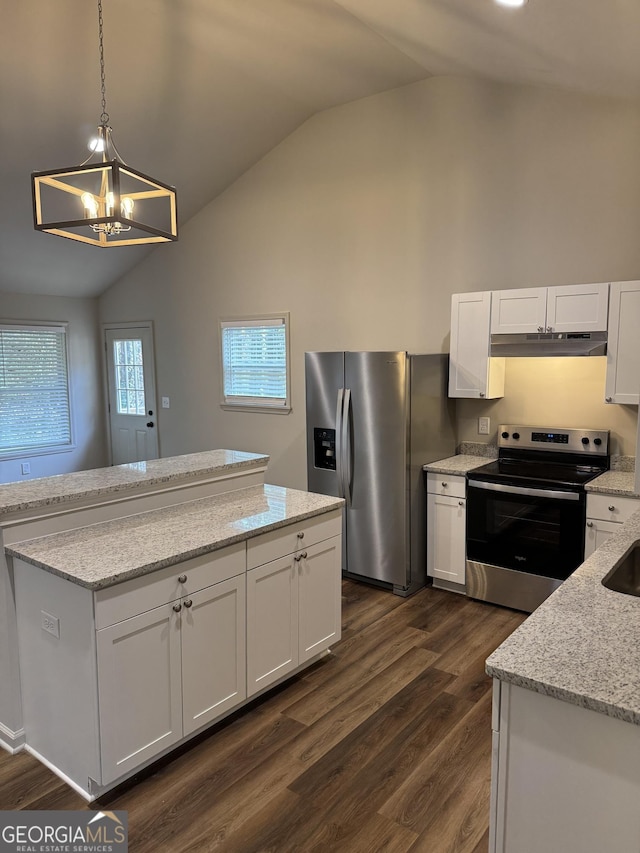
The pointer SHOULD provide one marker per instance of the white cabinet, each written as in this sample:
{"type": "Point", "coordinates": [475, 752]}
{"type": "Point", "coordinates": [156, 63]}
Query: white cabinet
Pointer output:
{"type": "Point", "coordinates": [564, 778]}
{"type": "Point", "coordinates": [472, 373]}
{"type": "Point", "coordinates": [570, 308]}
{"type": "Point", "coordinates": [605, 514]}
{"type": "Point", "coordinates": [446, 519]}
{"type": "Point", "coordinates": [180, 665]}
{"type": "Point", "coordinates": [622, 384]}
{"type": "Point", "coordinates": [293, 601]}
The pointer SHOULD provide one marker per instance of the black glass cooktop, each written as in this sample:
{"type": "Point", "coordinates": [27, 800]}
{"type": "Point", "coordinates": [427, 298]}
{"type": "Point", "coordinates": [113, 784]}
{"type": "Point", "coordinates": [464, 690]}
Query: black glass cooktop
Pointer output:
{"type": "Point", "coordinates": [545, 474]}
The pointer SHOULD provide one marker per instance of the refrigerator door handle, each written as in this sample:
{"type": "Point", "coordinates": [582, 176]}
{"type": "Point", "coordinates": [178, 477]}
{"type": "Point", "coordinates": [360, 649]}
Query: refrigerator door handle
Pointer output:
{"type": "Point", "coordinates": [339, 466]}
{"type": "Point", "coordinates": [347, 454]}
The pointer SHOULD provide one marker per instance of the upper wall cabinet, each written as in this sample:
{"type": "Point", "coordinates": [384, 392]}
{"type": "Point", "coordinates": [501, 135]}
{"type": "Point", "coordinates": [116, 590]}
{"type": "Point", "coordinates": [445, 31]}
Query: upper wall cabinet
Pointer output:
{"type": "Point", "coordinates": [471, 372]}
{"type": "Point", "coordinates": [570, 308]}
{"type": "Point", "coordinates": [622, 384]}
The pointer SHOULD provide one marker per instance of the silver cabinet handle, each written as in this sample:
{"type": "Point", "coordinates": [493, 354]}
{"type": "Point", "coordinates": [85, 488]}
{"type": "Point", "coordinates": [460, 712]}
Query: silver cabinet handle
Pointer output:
{"type": "Point", "coordinates": [589, 523]}
{"type": "Point", "coordinates": [177, 607]}
{"type": "Point", "coordinates": [301, 535]}
{"type": "Point", "coordinates": [444, 485]}
{"type": "Point", "coordinates": [188, 603]}
{"type": "Point", "coordinates": [481, 394]}
{"type": "Point", "coordinates": [540, 328]}
{"type": "Point", "coordinates": [549, 328]}
{"type": "Point", "coordinates": [460, 503]}
{"type": "Point", "coordinates": [612, 508]}
{"type": "Point", "coordinates": [608, 399]}
{"type": "Point", "coordinates": [299, 557]}
{"type": "Point", "coordinates": [182, 579]}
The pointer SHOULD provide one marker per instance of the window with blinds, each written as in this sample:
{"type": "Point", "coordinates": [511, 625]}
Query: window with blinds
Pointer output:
{"type": "Point", "coordinates": [255, 368]}
{"type": "Point", "coordinates": [34, 389]}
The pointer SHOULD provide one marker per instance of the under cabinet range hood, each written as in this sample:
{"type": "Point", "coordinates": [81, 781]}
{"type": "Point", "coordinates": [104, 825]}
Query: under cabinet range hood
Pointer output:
{"type": "Point", "coordinates": [550, 344]}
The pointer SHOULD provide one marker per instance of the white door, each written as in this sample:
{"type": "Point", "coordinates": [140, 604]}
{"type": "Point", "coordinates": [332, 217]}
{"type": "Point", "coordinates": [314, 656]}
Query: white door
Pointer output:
{"type": "Point", "coordinates": [132, 394]}
{"type": "Point", "coordinates": [213, 652]}
{"type": "Point", "coordinates": [446, 538]}
{"type": "Point", "coordinates": [578, 308]}
{"type": "Point", "coordinates": [319, 600]}
{"type": "Point", "coordinates": [516, 311]}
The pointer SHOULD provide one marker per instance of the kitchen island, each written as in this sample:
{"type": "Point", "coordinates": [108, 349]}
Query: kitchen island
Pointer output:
{"type": "Point", "coordinates": [138, 631]}
{"type": "Point", "coordinates": [566, 757]}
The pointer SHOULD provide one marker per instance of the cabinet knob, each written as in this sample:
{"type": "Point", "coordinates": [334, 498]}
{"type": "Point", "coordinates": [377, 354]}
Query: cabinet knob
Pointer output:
{"type": "Point", "coordinates": [460, 503]}
{"type": "Point", "coordinates": [444, 484]}
{"type": "Point", "coordinates": [481, 394]}
{"type": "Point", "coordinates": [177, 607]}
{"type": "Point", "coordinates": [182, 579]}
{"type": "Point", "coordinates": [540, 328]}
{"type": "Point", "coordinates": [301, 535]}
{"type": "Point", "coordinates": [549, 328]}
{"type": "Point", "coordinates": [299, 557]}
{"type": "Point", "coordinates": [608, 399]}
{"type": "Point", "coordinates": [612, 508]}
{"type": "Point", "coordinates": [188, 603]}
{"type": "Point", "coordinates": [589, 523]}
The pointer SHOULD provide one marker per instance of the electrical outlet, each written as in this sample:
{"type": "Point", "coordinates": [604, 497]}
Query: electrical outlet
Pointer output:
{"type": "Point", "coordinates": [166, 403]}
{"type": "Point", "coordinates": [50, 624]}
{"type": "Point", "coordinates": [25, 467]}
{"type": "Point", "coordinates": [483, 426]}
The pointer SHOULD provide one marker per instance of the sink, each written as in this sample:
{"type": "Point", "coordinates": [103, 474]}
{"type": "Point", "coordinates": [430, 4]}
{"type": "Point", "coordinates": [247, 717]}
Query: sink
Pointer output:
{"type": "Point", "coordinates": [625, 575]}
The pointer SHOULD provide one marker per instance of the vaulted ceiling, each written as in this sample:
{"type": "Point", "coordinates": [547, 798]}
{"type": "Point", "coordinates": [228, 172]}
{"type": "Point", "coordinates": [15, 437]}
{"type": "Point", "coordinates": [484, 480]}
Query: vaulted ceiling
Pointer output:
{"type": "Point", "coordinates": [199, 90]}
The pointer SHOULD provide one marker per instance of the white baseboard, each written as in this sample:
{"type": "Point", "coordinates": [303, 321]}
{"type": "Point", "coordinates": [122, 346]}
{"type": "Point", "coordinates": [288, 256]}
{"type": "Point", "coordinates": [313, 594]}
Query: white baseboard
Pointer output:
{"type": "Point", "coordinates": [11, 741]}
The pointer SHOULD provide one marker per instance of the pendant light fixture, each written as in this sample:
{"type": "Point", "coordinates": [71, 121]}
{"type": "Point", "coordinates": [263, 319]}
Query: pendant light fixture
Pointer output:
{"type": "Point", "coordinates": [103, 201]}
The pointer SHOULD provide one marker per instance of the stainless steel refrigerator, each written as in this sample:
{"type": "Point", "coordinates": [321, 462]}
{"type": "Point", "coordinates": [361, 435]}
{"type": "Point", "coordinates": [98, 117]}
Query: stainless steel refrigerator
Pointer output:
{"type": "Point", "coordinates": [373, 420]}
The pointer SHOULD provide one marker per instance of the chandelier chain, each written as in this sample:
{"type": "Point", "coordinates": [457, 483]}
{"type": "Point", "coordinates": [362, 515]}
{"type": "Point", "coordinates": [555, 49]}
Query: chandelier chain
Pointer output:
{"type": "Point", "coordinates": [104, 118]}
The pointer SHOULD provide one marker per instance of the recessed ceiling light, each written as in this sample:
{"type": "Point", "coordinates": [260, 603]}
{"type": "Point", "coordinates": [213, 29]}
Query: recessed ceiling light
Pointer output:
{"type": "Point", "coordinates": [512, 4]}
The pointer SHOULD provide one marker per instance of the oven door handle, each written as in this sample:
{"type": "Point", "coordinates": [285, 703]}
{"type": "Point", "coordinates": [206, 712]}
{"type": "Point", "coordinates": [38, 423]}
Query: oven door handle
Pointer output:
{"type": "Point", "coordinates": [521, 490]}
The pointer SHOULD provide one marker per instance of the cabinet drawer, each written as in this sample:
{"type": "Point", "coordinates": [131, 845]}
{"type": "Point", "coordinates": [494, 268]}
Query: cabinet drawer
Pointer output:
{"type": "Point", "coordinates": [138, 595]}
{"type": "Point", "coordinates": [446, 484]}
{"type": "Point", "coordinates": [285, 540]}
{"type": "Point", "coordinates": [611, 507]}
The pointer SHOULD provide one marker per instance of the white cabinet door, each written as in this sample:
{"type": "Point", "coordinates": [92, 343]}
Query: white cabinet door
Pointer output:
{"type": "Point", "coordinates": [446, 550]}
{"type": "Point", "coordinates": [472, 373]}
{"type": "Point", "coordinates": [213, 652]}
{"type": "Point", "coordinates": [319, 598]}
{"type": "Point", "coordinates": [577, 308]}
{"type": "Point", "coordinates": [272, 622]}
{"type": "Point", "coordinates": [597, 533]}
{"type": "Point", "coordinates": [139, 689]}
{"type": "Point", "coordinates": [622, 384]}
{"type": "Point", "coordinates": [516, 311]}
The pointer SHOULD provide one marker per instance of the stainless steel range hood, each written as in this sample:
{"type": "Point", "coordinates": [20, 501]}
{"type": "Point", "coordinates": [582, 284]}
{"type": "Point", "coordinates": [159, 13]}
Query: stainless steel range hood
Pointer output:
{"type": "Point", "coordinates": [549, 344]}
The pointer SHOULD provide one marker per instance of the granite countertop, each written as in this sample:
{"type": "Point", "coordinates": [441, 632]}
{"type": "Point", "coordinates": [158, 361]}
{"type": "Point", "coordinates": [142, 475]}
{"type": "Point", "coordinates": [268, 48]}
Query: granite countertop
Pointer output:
{"type": "Point", "coordinates": [66, 488]}
{"type": "Point", "coordinates": [101, 555]}
{"type": "Point", "coordinates": [582, 645]}
{"type": "Point", "coordinates": [614, 483]}
{"type": "Point", "coordinates": [459, 464]}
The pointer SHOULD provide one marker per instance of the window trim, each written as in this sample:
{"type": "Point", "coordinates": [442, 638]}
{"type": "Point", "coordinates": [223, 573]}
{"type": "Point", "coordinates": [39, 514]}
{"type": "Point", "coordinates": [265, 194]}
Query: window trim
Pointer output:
{"type": "Point", "coordinates": [252, 404]}
{"type": "Point", "coordinates": [44, 450]}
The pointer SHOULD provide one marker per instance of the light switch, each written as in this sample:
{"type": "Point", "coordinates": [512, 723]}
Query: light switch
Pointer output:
{"type": "Point", "coordinates": [483, 426]}
{"type": "Point", "coordinates": [25, 467]}
{"type": "Point", "coordinates": [166, 403]}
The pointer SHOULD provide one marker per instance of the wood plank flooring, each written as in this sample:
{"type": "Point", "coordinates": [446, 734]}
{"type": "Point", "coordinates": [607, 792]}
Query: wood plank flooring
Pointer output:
{"type": "Point", "coordinates": [383, 746]}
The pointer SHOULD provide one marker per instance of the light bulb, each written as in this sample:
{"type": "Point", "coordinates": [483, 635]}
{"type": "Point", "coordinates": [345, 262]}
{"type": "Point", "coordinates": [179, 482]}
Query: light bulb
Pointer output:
{"type": "Point", "coordinates": [90, 205]}
{"type": "Point", "coordinates": [126, 207]}
{"type": "Point", "coordinates": [512, 4]}
{"type": "Point", "coordinates": [109, 200]}
{"type": "Point", "coordinates": [96, 144]}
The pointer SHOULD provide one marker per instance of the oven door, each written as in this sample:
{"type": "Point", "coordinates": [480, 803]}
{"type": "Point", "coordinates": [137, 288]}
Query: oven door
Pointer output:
{"type": "Point", "coordinates": [538, 531]}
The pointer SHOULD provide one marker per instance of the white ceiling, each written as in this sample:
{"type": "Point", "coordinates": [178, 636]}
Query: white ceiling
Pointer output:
{"type": "Point", "coordinates": [199, 90]}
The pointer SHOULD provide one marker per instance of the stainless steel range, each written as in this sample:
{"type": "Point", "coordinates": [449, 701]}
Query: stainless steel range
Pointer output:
{"type": "Point", "coordinates": [526, 512]}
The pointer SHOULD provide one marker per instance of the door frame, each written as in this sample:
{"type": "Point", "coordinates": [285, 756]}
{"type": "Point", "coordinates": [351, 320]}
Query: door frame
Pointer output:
{"type": "Point", "coordinates": [126, 326]}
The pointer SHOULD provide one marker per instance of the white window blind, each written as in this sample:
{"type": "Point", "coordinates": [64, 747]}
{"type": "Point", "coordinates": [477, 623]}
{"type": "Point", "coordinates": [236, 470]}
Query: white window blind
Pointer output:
{"type": "Point", "coordinates": [254, 362]}
{"type": "Point", "coordinates": [34, 388]}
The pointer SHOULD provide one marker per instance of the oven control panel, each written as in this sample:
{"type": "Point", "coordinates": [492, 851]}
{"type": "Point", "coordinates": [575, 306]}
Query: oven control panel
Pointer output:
{"type": "Point", "coordinates": [594, 442]}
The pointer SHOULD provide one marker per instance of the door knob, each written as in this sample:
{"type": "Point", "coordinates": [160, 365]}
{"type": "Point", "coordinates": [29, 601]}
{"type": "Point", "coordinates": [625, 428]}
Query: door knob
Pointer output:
{"type": "Point", "coordinates": [150, 424]}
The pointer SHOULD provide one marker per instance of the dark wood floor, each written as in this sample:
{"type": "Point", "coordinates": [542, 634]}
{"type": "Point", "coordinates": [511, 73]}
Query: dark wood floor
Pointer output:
{"type": "Point", "coordinates": [383, 746]}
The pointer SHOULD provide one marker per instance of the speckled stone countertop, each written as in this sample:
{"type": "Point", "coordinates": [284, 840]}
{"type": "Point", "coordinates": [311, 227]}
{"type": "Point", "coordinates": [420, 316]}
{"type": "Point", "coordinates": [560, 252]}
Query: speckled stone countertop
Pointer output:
{"type": "Point", "coordinates": [456, 464]}
{"type": "Point", "coordinates": [66, 488]}
{"type": "Point", "coordinates": [102, 555]}
{"type": "Point", "coordinates": [614, 483]}
{"type": "Point", "coordinates": [582, 645]}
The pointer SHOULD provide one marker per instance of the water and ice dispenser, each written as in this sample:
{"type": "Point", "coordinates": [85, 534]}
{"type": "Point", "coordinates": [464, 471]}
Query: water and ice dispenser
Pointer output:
{"type": "Point", "coordinates": [324, 448]}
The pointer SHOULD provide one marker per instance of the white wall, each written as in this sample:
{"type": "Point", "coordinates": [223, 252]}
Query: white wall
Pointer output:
{"type": "Point", "coordinates": [364, 221]}
{"type": "Point", "coordinates": [86, 383]}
